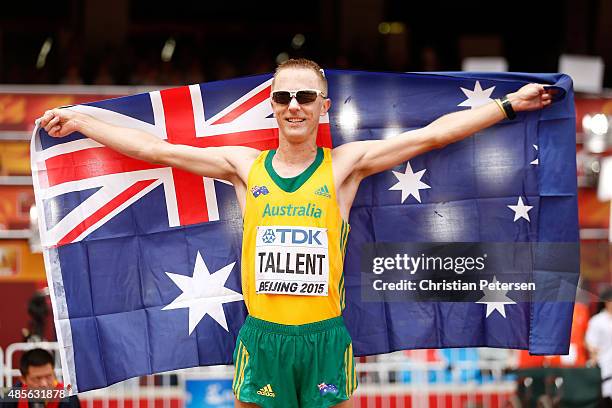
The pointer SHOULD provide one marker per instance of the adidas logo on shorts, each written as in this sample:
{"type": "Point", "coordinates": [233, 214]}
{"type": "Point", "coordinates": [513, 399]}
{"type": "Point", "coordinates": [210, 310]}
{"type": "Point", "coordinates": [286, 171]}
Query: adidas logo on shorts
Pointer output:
{"type": "Point", "coordinates": [323, 191]}
{"type": "Point", "coordinates": [266, 391]}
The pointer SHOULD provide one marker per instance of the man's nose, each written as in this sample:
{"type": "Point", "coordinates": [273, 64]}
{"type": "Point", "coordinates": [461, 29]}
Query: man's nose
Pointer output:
{"type": "Point", "coordinates": [46, 382]}
{"type": "Point", "coordinates": [294, 105]}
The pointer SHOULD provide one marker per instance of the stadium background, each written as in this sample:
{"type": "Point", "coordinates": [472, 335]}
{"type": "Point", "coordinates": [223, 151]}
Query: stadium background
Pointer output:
{"type": "Point", "coordinates": [71, 51]}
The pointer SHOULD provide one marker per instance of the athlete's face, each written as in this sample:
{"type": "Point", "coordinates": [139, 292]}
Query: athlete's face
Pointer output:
{"type": "Point", "coordinates": [299, 122]}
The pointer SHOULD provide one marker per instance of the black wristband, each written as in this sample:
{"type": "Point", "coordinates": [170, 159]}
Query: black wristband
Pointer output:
{"type": "Point", "coordinates": [507, 105]}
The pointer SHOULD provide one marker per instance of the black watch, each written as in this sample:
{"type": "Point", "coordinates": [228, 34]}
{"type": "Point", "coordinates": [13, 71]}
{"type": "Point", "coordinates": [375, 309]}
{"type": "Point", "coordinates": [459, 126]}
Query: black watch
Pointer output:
{"type": "Point", "coordinates": [507, 105]}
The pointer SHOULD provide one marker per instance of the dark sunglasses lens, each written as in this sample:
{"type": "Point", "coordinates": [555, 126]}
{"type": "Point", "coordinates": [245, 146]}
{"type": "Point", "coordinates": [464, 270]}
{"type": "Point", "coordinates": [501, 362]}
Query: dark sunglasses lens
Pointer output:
{"type": "Point", "coordinates": [282, 97]}
{"type": "Point", "coordinates": [306, 96]}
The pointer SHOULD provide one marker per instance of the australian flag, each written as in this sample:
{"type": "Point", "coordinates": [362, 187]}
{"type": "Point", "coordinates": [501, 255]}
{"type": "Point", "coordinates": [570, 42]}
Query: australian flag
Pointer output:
{"type": "Point", "coordinates": [143, 261]}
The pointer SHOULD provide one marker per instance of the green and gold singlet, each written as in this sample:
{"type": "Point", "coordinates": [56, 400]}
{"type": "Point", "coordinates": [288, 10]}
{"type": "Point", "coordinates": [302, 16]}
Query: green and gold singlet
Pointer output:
{"type": "Point", "coordinates": [293, 244]}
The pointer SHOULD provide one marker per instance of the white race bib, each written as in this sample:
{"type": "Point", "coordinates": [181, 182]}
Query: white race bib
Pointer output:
{"type": "Point", "coordinates": [292, 260]}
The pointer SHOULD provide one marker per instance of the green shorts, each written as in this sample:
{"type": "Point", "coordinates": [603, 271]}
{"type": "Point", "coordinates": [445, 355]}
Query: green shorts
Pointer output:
{"type": "Point", "coordinates": [309, 365]}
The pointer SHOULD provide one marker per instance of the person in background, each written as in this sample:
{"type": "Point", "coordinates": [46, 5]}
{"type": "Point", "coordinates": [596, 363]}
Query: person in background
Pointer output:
{"type": "Point", "coordinates": [599, 343]}
{"type": "Point", "coordinates": [38, 309]}
{"type": "Point", "coordinates": [37, 373]}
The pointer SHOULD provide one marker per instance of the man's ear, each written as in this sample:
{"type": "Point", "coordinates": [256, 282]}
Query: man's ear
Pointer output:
{"type": "Point", "coordinates": [272, 106]}
{"type": "Point", "coordinates": [326, 106]}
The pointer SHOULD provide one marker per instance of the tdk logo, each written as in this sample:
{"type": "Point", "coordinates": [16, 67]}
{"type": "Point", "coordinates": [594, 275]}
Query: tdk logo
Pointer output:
{"type": "Point", "coordinates": [268, 237]}
{"type": "Point", "coordinates": [292, 236]}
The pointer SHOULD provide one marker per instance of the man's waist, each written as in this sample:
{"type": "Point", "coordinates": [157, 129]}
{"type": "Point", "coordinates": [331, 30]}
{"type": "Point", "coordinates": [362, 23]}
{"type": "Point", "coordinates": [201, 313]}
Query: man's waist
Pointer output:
{"type": "Point", "coordinates": [294, 329]}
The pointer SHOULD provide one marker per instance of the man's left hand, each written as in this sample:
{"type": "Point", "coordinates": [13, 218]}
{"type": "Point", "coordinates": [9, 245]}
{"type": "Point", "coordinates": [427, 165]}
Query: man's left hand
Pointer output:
{"type": "Point", "coordinates": [531, 97]}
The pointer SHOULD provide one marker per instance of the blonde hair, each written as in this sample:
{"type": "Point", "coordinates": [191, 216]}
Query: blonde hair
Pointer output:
{"type": "Point", "coordinates": [303, 63]}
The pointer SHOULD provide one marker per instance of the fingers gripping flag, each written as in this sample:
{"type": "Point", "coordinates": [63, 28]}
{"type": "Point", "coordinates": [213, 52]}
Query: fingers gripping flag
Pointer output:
{"type": "Point", "coordinates": [143, 260]}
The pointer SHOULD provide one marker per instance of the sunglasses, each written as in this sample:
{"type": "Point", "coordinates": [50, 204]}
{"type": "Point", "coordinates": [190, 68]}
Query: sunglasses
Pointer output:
{"type": "Point", "coordinates": [303, 96]}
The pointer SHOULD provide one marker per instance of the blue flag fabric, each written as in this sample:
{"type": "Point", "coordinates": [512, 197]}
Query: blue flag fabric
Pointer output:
{"type": "Point", "coordinates": [144, 261]}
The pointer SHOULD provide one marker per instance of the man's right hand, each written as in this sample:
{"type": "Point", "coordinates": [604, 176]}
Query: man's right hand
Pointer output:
{"type": "Point", "coordinates": [60, 122]}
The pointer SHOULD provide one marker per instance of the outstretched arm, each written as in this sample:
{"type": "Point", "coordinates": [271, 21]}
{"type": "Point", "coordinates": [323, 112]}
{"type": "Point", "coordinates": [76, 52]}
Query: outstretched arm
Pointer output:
{"type": "Point", "coordinates": [361, 159]}
{"type": "Point", "coordinates": [228, 162]}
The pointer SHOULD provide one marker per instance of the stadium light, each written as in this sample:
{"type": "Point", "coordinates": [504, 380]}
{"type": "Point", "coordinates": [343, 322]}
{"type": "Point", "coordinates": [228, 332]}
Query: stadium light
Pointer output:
{"type": "Point", "coordinates": [393, 27]}
{"type": "Point", "coordinates": [282, 57]}
{"type": "Point", "coordinates": [44, 51]}
{"type": "Point", "coordinates": [168, 50]}
{"type": "Point", "coordinates": [297, 41]}
{"type": "Point", "coordinates": [598, 137]}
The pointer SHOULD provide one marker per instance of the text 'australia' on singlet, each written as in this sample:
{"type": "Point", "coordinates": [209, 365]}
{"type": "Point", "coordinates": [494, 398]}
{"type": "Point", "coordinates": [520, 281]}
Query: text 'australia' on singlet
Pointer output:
{"type": "Point", "coordinates": [293, 244]}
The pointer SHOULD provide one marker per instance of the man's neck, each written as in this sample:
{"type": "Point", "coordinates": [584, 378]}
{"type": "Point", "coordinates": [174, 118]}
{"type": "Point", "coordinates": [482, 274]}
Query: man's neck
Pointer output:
{"type": "Point", "coordinates": [293, 158]}
{"type": "Point", "coordinates": [292, 154]}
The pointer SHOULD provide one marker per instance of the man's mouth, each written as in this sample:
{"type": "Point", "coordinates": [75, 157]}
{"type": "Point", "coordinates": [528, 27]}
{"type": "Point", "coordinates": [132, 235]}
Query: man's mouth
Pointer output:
{"type": "Point", "coordinates": [295, 120]}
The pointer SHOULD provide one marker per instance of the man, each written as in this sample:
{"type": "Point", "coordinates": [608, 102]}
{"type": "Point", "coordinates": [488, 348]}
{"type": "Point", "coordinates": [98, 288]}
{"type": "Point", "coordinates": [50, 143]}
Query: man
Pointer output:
{"type": "Point", "coordinates": [294, 349]}
{"type": "Point", "coordinates": [598, 340]}
{"type": "Point", "coordinates": [38, 376]}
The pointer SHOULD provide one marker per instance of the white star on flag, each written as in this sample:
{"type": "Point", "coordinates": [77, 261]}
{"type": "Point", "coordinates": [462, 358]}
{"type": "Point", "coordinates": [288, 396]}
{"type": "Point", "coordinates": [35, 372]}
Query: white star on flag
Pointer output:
{"type": "Point", "coordinates": [477, 97]}
{"type": "Point", "coordinates": [204, 293]}
{"type": "Point", "coordinates": [409, 183]}
{"type": "Point", "coordinates": [521, 210]}
{"type": "Point", "coordinates": [536, 162]}
{"type": "Point", "coordinates": [495, 300]}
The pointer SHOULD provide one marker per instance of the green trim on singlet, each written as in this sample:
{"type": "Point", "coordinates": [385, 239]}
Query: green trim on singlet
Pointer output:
{"type": "Point", "coordinates": [344, 230]}
{"type": "Point", "coordinates": [292, 184]}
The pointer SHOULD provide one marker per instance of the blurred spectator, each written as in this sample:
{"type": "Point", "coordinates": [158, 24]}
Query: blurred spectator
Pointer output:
{"type": "Point", "coordinates": [38, 309]}
{"type": "Point", "coordinates": [260, 61]}
{"type": "Point", "coordinates": [599, 343]}
{"type": "Point", "coordinates": [577, 353]}
{"type": "Point", "coordinates": [104, 75]}
{"type": "Point", "coordinates": [144, 74]}
{"type": "Point", "coordinates": [37, 372]}
{"type": "Point", "coordinates": [169, 75]}
{"type": "Point", "coordinates": [223, 69]}
{"type": "Point", "coordinates": [194, 73]}
{"type": "Point", "coordinates": [429, 59]}
{"type": "Point", "coordinates": [342, 62]}
{"type": "Point", "coordinates": [72, 76]}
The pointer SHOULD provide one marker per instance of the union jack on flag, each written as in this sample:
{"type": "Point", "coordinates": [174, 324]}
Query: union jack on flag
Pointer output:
{"type": "Point", "coordinates": [179, 117]}
{"type": "Point", "coordinates": [143, 261]}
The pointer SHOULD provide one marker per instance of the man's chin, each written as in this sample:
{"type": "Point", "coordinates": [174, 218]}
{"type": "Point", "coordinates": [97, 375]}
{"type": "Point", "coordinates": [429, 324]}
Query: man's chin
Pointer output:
{"type": "Point", "coordinates": [296, 135]}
